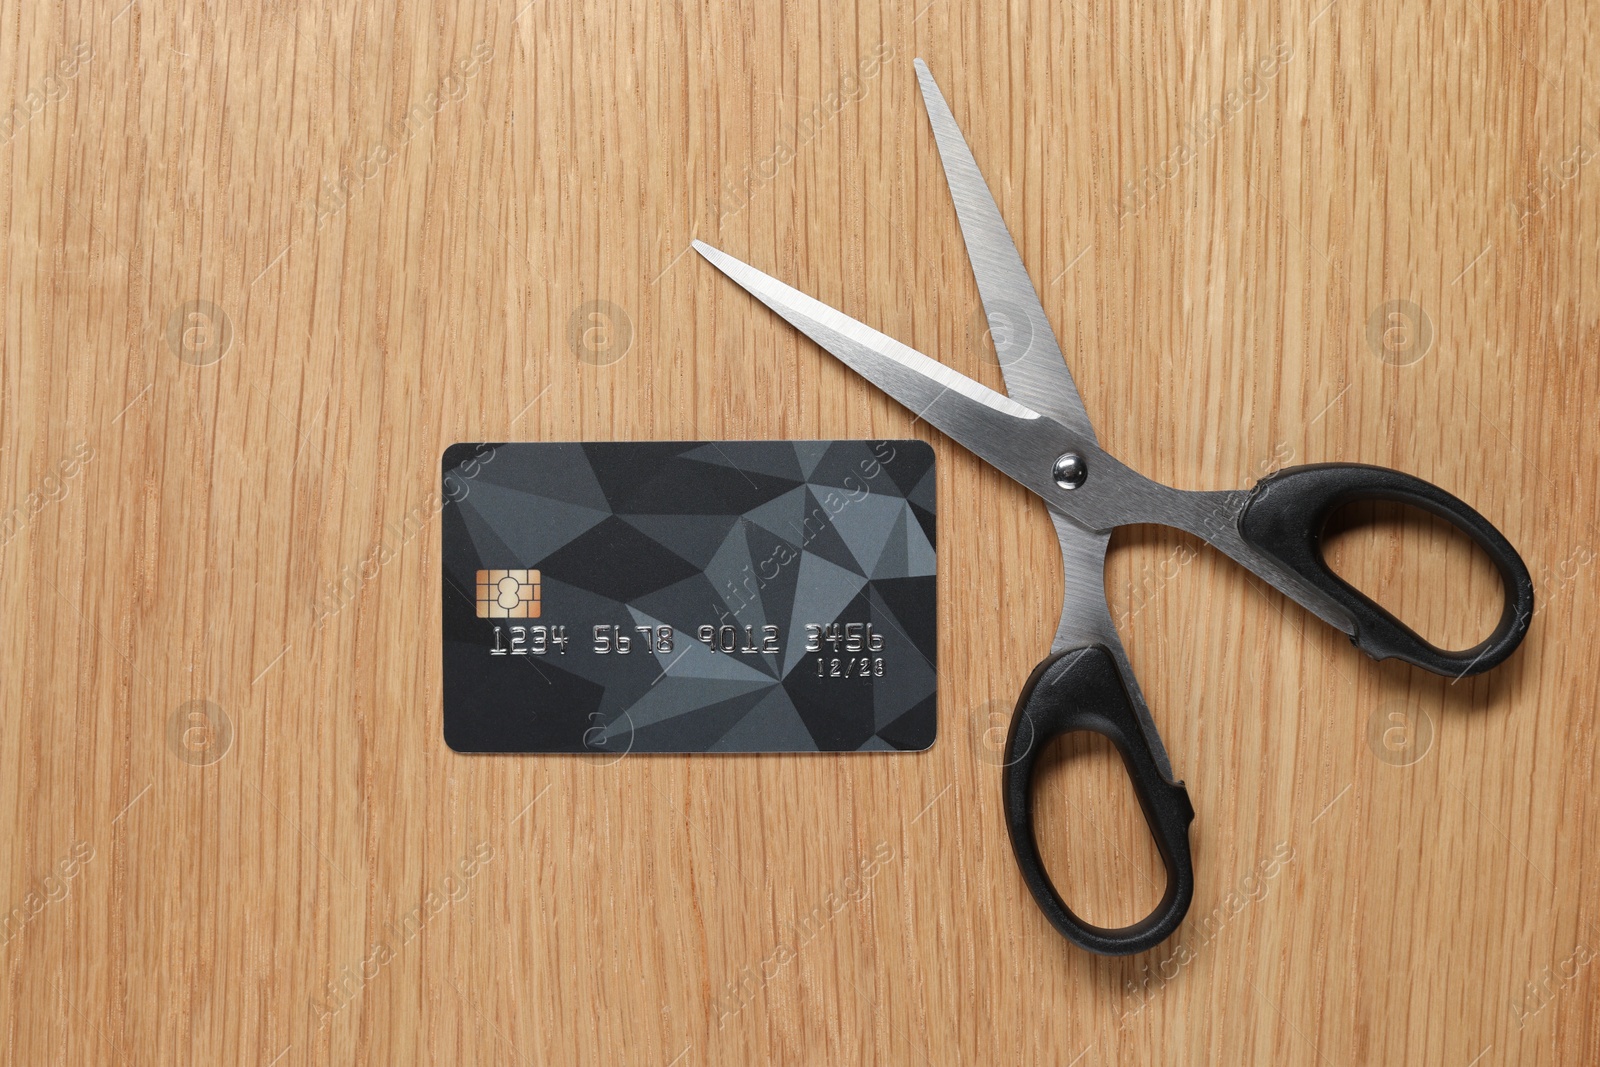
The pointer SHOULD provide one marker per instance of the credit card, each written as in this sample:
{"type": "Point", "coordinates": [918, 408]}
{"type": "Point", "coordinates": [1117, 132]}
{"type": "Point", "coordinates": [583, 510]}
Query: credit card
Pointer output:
{"type": "Point", "coordinates": [702, 596]}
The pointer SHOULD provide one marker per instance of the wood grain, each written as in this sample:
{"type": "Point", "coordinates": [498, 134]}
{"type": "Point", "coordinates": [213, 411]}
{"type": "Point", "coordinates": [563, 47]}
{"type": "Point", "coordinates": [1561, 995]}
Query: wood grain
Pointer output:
{"type": "Point", "coordinates": [420, 224]}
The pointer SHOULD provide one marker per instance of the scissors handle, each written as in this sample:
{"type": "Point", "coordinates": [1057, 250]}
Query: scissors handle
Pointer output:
{"type": "Point", "coordinates": [1285, 517]}
{"type": "Point", "coordinates": [1082, 689]}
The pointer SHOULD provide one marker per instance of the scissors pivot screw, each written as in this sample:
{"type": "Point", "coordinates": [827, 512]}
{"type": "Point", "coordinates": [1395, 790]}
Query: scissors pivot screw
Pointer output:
{"type": "Point", "coordinates": [1070, 471]}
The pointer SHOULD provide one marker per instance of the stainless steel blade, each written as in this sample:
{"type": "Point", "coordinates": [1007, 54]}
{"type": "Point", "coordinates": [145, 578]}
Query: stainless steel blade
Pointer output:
{"type": "Point", "coordinates": [1021, 443]}
{"type": "Point", "coordinates": [1030, 358]}
{"type": "Point", "coordinates": [1015, 439]}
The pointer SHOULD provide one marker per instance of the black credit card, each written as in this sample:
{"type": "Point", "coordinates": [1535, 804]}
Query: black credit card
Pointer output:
{"type": "Point", "coordinates": [702, 596]}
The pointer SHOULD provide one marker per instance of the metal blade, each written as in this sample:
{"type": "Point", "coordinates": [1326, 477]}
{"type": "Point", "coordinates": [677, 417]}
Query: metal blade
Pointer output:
{"type": "Point", "coordinates": [1013, 438]}
{"type": "Point", "coordinates": [1035, 372]}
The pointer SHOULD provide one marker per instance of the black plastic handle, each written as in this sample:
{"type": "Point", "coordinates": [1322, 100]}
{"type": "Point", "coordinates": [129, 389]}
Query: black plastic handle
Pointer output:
{"type": "Point", "coordinates": [1285, 518]}
{"type": "Point", "coordinates": [1082, 689]}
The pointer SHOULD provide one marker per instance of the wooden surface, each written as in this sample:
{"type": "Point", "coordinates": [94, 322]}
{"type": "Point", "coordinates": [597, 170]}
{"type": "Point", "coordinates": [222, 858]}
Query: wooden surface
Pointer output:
{"type": "Point", "coordinates": [234, 502]}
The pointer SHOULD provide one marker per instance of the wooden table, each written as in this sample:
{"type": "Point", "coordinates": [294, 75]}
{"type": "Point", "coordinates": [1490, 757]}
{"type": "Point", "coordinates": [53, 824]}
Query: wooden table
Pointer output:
{"type": "Point", "coordinates": [262, 266]}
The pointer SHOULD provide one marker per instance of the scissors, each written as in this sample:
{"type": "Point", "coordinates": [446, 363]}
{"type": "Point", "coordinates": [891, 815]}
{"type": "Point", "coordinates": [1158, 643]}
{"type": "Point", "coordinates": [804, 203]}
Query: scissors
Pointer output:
{"type": "Point", "coordinates": [1040, 436]}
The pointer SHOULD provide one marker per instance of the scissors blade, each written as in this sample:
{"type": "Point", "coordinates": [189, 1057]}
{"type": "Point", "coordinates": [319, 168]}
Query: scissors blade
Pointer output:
{"type": "Point", "coordinates": [991, 425]}
{"type": "Point", "coordinates": [1030, 358]}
